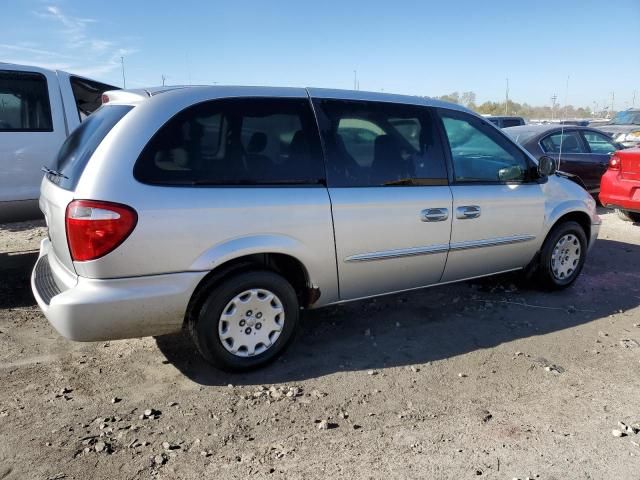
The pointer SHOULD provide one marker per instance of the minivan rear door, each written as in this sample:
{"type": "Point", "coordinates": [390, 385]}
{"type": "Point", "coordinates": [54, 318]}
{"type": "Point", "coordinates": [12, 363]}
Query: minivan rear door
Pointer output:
{"type": "Point", "coordinates": [389, 192]}
{"type": "Point", "coordinates": [58, 187]}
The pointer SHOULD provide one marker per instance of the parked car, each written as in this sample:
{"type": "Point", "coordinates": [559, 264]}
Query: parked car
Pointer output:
{"type": "Point", "coordinates": [580, 151]}
{"type": "Point", "coordinates": [505, 121]}
{"type": "Point", "coordinates": [620, 188]}
{"type": "Point", "coordinates": [624, 128]}
{"type": "Point", "coordinates": [38, 109]}
{"type": "Point", "coordinates": [228, 209]}
{"type": "Point", "coordinates": [580, 123]}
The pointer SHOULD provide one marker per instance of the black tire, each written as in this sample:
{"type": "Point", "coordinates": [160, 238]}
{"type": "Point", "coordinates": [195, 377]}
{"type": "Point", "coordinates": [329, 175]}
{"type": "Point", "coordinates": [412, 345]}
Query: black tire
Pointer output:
{"type": "Point", "coordinates": [203, 325]}
{"type": "Point", "coordinates": [546, 279]}
{"type": "Point", "coordinates": [628, 216]}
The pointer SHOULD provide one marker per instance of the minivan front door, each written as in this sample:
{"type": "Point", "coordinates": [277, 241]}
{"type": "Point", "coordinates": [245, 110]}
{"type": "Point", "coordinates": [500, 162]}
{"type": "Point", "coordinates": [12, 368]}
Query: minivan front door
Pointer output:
{"type": "Point", "coordinates": [498, 212]}
{"type": "Point", "coordinates": [389, 193]}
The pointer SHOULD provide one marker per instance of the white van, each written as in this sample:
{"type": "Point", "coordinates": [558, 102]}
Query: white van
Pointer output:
{"type": "Point", "coordinates": [38, 110]}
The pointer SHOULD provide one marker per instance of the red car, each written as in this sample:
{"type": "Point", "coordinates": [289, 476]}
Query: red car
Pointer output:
{"type": "Point", "coordinates": [620, 185]}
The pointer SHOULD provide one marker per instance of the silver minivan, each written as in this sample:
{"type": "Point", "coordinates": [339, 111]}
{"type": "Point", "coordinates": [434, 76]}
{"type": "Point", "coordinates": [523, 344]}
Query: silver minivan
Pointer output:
{"type": "Point", "coordinates": [228, 210]}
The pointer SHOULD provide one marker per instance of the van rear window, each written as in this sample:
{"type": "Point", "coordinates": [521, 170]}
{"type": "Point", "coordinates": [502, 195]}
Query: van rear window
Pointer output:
{"type": "Point", "coordinates": [83, 141]}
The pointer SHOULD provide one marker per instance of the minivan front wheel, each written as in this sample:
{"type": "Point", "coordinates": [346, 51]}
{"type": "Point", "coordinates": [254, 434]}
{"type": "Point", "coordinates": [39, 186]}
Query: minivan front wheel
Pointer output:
{"type": "Point", "coordinates": [246, 321]}
{"type": "Point", "coordinates": [562, 256]}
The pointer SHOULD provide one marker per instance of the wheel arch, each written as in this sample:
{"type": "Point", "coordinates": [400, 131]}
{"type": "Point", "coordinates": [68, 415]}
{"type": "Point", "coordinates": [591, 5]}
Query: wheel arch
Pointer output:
{"type": "Point", "coordinates": [290, 267]}
{"type": "Point", "coordinates": [581, 218]}
{"type": "Point", "coordinates": [570, 211]}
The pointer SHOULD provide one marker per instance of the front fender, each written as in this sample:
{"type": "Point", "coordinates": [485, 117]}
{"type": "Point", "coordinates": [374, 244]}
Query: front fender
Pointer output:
{"type": "Point", "coordinates": [564, 208]}
{"type": "Point", "coordinates": [563, 196]}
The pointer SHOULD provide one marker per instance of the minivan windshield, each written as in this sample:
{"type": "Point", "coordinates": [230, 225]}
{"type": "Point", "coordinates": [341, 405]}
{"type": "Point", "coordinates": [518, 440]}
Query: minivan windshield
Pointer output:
{"type": "Point", "coordinates": [83, 141]}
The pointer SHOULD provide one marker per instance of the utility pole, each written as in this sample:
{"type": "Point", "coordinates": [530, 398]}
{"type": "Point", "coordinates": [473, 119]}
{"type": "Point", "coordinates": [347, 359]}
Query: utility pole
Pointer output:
{"type": "Point", "coordinates": [355, 80]}
{"type": "Point", "coordinates": [124, 80]}
{"type": "Point", "coordinates": [613, 99]}
{"type": "Point", "coordinates": [554, 97]}
{"type": "Point", "coordinates": [506, 103]}
{"type": "Point", "coordinates": [633, 99]}
{"type": "Point", "coordinates": [163, 79]}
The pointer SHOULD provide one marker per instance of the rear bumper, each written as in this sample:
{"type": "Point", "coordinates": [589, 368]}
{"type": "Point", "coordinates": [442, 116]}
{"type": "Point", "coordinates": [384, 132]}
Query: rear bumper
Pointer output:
{"type": "Point", "coordinates": [85, 310]}
{"type": "Point", "coordinates": [616, 192]}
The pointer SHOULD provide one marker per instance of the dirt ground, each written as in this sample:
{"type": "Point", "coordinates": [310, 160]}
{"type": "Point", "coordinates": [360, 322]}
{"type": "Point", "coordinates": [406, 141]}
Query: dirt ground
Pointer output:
{"type": "Point", "coordinates": [477, 380]}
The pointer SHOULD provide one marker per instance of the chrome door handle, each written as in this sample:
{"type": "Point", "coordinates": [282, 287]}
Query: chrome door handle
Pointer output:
{"type": "Point", "coordinates": [434, 214]}
{"type": "Point", "coordinates": [468, 212]}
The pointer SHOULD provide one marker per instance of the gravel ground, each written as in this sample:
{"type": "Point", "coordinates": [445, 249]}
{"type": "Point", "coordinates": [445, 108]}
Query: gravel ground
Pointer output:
{"type": "Point", "coordinates": [478, 380]}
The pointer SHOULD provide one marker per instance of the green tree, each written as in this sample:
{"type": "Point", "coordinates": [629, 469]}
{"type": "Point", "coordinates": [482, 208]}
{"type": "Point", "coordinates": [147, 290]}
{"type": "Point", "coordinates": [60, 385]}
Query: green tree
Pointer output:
{"type": "Point", "coordinates": [452, 97]}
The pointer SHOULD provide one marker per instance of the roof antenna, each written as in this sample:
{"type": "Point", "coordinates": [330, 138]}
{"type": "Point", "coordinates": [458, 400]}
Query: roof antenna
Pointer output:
{"type": "Point", "coordinates": [124, 80]}
{"type": "Point", "coordinates": [562, 118]}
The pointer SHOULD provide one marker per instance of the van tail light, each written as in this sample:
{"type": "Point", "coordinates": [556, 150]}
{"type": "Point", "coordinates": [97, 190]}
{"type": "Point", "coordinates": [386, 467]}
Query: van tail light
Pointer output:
{"type": "Point", "coordinates": [105, 98]}
{"type": "Point", "coordinates": [96, 228]}
{"type": "Point", "coordinates": [614, 162]}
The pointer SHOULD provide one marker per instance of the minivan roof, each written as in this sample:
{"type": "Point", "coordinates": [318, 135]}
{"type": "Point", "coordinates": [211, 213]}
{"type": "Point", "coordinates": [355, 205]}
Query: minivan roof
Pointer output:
{"type": "Point", "coordinates": [137, 95]}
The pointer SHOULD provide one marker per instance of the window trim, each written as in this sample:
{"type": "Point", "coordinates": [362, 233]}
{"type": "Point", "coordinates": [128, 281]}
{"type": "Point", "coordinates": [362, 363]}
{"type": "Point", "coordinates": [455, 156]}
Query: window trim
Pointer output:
{"type": "Point", "coordinates": [313, 129]}
{"type": "Point", "coordinates": [48, 99]}
{"type": "Point", "coordinates": [427, 111]}
{"type": "Point", "coordinates": [530, 176]}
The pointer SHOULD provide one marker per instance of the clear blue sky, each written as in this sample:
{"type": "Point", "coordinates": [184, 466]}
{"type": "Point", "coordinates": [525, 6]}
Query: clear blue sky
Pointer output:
{"type": "Point", "coordinates": [412, 47]}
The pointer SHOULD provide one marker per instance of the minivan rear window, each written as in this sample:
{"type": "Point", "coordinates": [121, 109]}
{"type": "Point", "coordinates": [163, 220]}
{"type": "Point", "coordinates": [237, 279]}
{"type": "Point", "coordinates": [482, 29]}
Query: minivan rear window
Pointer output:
{"type": "Point", "coordinates": [83, 141]}
{"type": "Point", "coordinates": [236, 141]}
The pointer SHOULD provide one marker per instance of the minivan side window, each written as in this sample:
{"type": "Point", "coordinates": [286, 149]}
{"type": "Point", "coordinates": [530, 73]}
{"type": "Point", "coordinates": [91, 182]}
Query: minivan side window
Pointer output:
{"type": "Point", "coordinates": [240, 141]}
{"type": "Point", "coordinates": [379, 144]}
{"type": "Point", "coordinates": [24, 102]}
{"type": "Point", "coordinates": [479, 153]}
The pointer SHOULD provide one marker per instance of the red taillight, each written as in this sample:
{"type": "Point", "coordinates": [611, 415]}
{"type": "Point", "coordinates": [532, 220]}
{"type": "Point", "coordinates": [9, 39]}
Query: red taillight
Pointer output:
{"type": "Point", "coordinates": [96, 228]}
{"type": "Point", "coordinates": [614, 162]}
{"type": "Point", "coordinates": [105, 98]}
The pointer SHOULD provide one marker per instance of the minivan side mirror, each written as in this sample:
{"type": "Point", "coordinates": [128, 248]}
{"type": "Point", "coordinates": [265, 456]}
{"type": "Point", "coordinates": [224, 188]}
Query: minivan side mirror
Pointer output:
{"type": "Point", "coordinates": [546, 166]}
{"type": "Point", "coordinates": [511, 174]}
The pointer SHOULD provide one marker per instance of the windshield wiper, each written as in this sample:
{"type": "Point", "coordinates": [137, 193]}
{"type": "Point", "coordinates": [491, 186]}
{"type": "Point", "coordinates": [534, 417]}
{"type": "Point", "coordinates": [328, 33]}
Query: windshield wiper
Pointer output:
{"type": "Point", "coordinates": [55, 173]}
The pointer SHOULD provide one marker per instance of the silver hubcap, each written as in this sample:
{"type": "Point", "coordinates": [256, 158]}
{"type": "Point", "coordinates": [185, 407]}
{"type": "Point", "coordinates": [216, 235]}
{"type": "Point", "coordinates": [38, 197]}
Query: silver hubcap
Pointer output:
{"type": "Point", "coordinates": [565, 256]}
{"type": "Point", "coordinates": [251, 322]}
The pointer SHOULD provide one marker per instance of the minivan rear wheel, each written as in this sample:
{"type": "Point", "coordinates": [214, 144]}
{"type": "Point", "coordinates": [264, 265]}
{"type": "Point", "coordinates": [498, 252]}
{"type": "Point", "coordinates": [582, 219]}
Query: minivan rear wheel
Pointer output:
{"type": "Point", "coordinates": [246, 321]}
{"type": "Point", "coordinates": [562, 256]}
